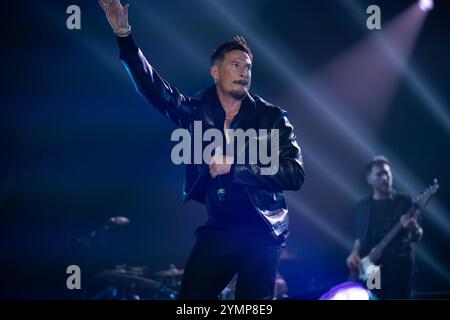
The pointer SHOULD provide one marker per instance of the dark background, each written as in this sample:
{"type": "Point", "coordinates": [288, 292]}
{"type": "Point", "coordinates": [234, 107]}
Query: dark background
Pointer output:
{"type": "Point", "coordinates": [78, 145]}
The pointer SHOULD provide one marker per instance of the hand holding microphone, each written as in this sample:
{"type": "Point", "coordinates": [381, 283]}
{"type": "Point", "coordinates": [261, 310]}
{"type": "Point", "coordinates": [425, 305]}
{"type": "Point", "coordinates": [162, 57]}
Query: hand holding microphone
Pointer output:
{"type": "Point", "coordinates": [220, 165]}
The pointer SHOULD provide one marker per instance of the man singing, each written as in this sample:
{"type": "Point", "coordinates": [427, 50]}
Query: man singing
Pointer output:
{"type": "Point", "coordinates": [247, 214]}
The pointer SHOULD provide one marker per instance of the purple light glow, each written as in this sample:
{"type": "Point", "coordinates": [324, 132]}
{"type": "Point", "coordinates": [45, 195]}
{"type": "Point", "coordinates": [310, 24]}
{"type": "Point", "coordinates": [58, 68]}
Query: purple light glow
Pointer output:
{"type": "Point", "coordinates": [347, 291]}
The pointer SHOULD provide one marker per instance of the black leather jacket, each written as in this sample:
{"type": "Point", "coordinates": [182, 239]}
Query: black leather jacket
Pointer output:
{"type": "Point", "coordinates": [264, 191]}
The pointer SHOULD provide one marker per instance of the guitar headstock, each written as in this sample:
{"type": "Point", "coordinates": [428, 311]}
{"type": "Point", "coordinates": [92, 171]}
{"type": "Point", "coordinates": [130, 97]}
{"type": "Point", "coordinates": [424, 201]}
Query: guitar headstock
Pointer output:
{"type": "Point", "coordinates": [422, 200]}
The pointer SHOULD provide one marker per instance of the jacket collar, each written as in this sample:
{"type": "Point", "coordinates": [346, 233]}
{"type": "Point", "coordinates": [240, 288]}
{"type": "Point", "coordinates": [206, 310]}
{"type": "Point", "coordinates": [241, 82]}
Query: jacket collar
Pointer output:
{"type": "Point", "coordinates": [245, 118]}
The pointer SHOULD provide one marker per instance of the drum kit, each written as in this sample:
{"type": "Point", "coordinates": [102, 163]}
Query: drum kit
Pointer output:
{"type": "Point", "coordinates": [133, 283]}
{"type": "Point", "coordinates": [136, 283]}
{"type": "Point", "coordinates": [129, 282]}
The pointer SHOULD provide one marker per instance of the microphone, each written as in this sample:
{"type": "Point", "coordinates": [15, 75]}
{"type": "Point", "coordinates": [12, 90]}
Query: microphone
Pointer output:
{"type": "Point", "coordinates": [221, 188]}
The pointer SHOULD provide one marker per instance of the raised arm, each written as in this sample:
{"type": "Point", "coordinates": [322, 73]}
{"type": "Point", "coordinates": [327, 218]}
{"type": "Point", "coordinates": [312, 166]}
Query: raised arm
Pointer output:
{"type": "Point", "coordinates": [157, 91]}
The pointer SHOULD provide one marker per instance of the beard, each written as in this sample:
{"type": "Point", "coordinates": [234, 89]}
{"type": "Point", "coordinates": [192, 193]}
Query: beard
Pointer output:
{"type": "Point", "coordinates": [238, 94]}
{"type": "Point", "coordinates": [384, 188]}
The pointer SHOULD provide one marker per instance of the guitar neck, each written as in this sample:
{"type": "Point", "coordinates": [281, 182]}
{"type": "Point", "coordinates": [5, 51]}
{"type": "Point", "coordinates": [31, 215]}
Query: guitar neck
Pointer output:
{"type": "Point", "coordinates": [419, 203]}
{"type": "Point", "coordinates": [392, 233]}
{"type": "Point", "coordinates": [388, 237]}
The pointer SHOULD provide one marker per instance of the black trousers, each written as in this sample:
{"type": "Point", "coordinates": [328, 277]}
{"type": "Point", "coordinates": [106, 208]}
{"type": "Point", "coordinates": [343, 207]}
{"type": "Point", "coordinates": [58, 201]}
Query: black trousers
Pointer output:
{"type": "Point", "coordinates": [396, 278]}
{"type": "Point", "coordinates": [393, 288]}
{"type": "Point", "coordinates": [218, 255]}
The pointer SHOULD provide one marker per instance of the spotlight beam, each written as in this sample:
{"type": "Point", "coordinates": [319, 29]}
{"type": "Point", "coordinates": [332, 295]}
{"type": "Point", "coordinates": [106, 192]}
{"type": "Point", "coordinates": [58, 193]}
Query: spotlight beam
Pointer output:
{"type": "Point", "coordinates": [327, 228]}
{"type": "Point", "coordinates": [425, 5]}
{"type": "Point", "coordinates": [432, 101]}
{"type": "Point", "coordinates": [355, 136]}
{"type": "Point", "coordinates": [353, 131]}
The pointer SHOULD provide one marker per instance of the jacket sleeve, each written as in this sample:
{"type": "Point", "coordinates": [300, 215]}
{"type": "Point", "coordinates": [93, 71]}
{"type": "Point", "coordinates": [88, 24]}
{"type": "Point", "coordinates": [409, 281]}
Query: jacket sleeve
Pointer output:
{"type": "Point", "coordinates": [290, 174]}
{"type": "Point", "coordinates": [158, 92]}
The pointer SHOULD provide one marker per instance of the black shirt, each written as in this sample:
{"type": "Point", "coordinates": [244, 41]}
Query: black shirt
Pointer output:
{"type": "Point", "coordinates": [375, 218]}
{"type": "Point", "coordinates": [379, 222]}
{"type": "Point", "coordinates": [236, 213]}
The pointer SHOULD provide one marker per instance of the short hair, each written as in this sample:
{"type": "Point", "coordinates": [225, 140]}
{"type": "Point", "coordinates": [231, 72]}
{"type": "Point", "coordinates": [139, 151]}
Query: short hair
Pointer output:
{"type": "Point", "coordinates": [376, 161]}
{"type": "Point", "coordinates": [238, 43]}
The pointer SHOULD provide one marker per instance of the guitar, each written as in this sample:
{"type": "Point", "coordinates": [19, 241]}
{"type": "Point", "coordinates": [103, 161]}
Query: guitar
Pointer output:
{"type": "Point", "coordinates": [367, 266]}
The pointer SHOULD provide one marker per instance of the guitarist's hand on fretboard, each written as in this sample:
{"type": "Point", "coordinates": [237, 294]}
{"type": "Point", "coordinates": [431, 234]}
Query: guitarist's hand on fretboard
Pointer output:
{"type": "Point", "coordinates": [409, 222]}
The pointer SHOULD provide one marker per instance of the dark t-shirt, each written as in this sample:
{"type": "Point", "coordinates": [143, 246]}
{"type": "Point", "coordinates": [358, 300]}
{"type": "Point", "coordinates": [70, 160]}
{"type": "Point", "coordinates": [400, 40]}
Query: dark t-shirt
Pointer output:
{"type": "Point", "coordinates": [378, 222]}
{"type": "Point", "coordinates": [236, 213]}
{"type": "Point", "coordinates": [397, 258]}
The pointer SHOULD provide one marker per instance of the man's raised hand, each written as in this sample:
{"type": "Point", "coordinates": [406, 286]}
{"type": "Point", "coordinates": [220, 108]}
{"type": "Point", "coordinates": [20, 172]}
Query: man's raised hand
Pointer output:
{"type": "Point", "coordinates": [117, 16]}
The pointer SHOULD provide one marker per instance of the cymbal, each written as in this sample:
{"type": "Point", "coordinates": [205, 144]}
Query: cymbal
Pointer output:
{"type": "Point", "coordinates": [119, 220]}
{"type": "Point", "coordinates": [171, 272]}
{"type": "Point", "coordinates": [122, 277]}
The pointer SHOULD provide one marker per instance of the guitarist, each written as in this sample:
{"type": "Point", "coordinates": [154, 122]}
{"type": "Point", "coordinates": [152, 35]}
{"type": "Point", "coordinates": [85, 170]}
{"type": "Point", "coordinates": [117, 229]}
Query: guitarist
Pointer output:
{"type": "Point", "coordinates": [375, 216]}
